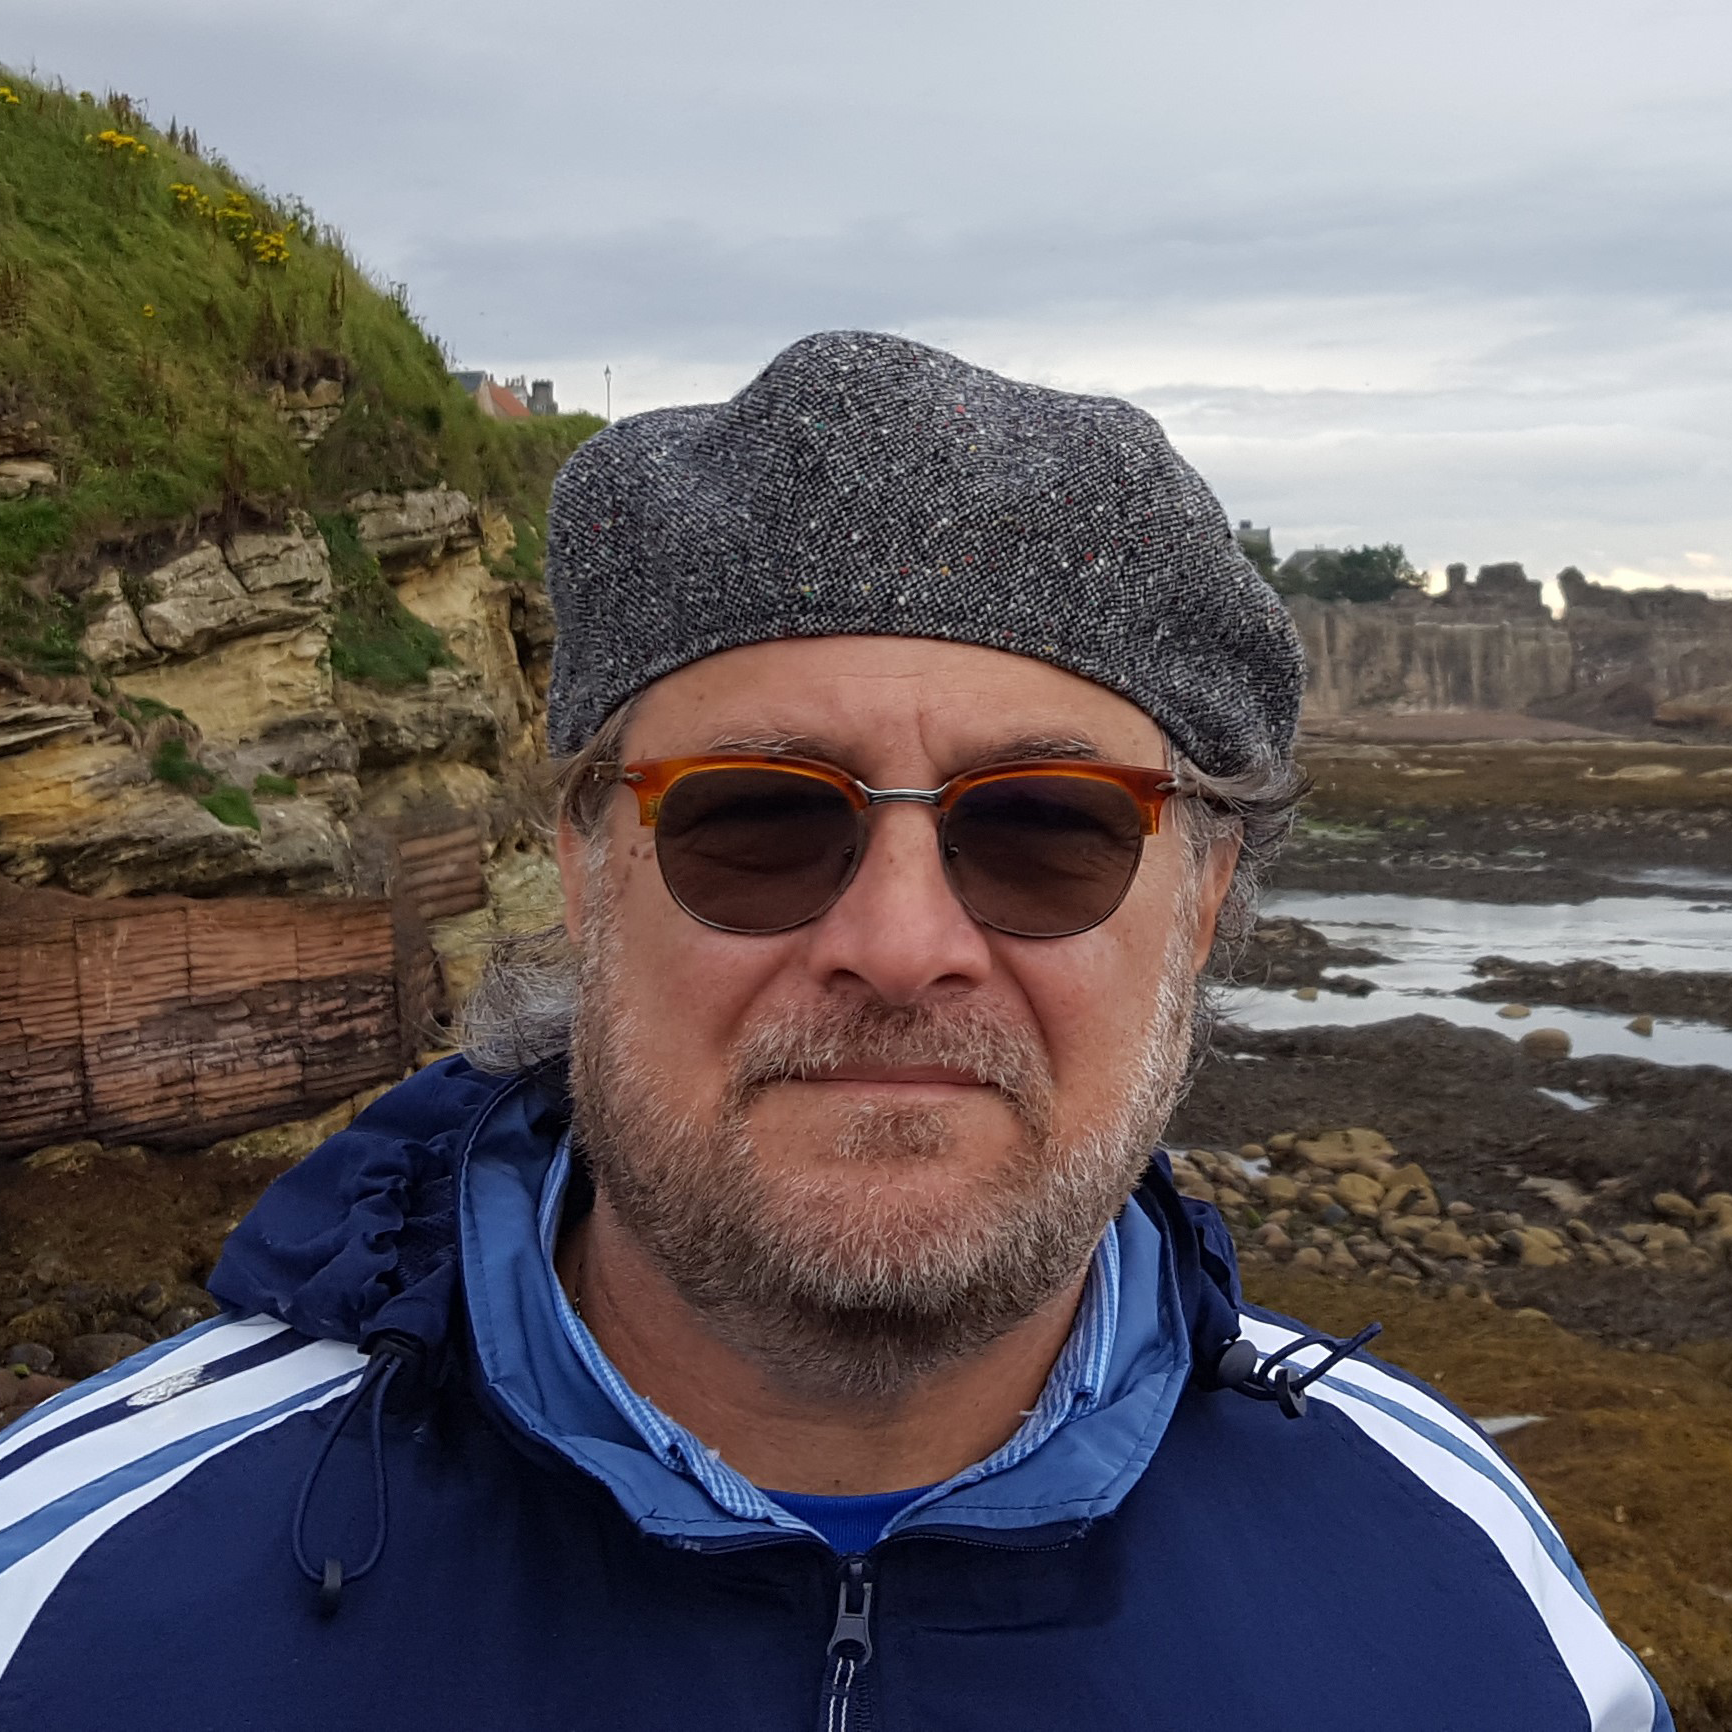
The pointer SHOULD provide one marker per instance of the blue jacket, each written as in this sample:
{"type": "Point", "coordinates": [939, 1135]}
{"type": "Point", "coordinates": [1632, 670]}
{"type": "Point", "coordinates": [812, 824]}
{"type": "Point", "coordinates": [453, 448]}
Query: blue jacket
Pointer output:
{"type": "Point", "coordinates": [391, 1392]}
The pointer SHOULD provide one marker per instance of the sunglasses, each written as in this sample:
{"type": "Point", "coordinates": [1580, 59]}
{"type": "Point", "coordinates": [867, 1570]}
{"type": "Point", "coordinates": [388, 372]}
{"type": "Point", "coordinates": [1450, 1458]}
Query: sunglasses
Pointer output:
{"type": "Point", "coordinates": [1042, 849]}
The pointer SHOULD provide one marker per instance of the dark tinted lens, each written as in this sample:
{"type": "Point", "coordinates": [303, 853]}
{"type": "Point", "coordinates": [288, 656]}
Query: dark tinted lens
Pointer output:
{"type": "Point", "coordinates": [755, 850]}
{"type": "Point", "coordinates": [1043, 856]}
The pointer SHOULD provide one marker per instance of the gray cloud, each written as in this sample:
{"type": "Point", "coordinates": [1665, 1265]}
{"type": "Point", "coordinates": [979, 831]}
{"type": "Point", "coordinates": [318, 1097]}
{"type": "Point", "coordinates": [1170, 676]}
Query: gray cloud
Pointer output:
{"type": "Point", "coordinates": [1459, 276]}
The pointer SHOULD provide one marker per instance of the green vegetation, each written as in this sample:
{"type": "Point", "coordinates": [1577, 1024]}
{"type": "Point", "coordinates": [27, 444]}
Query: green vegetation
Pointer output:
{"type": "Point", "coordinates": [143, 711]}
{"type": "Point", "coordinates": [269, 787]}
{"type": "Point", "coordinates": [232, 806]}
{"type": "Point", "coordinates": [152, 309]}
{"type": "Point", "coordinates": [1356, 574]}
{"type": "Point", "coordinates": [523, 562]}
{"type": "Point", "coordinates": [174, 764]}
{"type": "Point", "coordinates": [374, 637]}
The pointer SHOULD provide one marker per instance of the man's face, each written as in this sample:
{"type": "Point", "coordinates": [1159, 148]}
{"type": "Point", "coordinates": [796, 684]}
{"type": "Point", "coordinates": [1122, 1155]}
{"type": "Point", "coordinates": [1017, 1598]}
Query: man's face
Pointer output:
{"type": "Point", "coordinates": [890, 1133]}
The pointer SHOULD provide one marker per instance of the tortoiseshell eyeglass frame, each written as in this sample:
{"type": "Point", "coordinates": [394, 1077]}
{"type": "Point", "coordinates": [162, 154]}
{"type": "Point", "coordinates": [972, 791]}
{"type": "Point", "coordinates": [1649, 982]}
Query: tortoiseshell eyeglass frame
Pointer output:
{"type": "Point", "coordinates": [651, 778]}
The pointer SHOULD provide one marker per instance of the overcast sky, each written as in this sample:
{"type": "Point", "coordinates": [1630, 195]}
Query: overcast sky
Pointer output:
{"type": "Point", "coordinates": [1458, 276]}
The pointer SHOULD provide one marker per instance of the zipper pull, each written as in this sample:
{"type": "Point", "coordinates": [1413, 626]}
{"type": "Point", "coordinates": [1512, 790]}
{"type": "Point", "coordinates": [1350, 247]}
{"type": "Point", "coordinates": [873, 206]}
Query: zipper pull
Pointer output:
{"type": "Point", "coordinates": [851, 1639]}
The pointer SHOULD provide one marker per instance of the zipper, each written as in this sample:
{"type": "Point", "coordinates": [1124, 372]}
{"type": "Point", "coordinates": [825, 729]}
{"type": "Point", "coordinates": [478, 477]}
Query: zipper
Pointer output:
{"type": "Point", "coordinates": [846, 1703]}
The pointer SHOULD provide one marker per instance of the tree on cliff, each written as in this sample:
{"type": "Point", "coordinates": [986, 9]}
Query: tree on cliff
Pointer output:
{"type": "Point", "coordinates": [1349, 574]}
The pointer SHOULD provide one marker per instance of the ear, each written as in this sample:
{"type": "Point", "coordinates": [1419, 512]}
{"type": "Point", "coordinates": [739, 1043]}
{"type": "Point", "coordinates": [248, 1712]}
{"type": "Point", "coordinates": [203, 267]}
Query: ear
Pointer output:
{"type": "Point", "coordinates": [1212, 886]}
{"type": "Point", "coordinates": [572, 853]}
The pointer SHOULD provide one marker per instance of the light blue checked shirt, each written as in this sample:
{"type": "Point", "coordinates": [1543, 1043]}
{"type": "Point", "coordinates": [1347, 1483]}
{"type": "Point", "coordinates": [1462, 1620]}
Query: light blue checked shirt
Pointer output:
{"type": "Point", "coordinates": [1073, 1388]}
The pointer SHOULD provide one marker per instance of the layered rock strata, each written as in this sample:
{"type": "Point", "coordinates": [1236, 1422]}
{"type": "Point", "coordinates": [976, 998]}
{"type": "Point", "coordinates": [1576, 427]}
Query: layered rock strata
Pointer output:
{"type": "Point", "coordinates": [228, 645]}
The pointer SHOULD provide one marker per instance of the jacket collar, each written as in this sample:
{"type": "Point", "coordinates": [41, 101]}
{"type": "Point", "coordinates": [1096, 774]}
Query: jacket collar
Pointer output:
{"type": "Point", "coordinates": [425, 1211]}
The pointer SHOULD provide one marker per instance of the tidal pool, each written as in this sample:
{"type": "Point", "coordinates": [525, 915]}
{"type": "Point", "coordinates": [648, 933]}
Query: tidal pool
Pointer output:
{"type": "Point", "coordinates": [1432, 943]}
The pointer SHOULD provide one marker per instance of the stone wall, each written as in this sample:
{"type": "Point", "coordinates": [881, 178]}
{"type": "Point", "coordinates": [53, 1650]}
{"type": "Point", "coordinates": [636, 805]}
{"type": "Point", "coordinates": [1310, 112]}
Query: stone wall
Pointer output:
{"type": "Point", "coordinates": [227, 644]}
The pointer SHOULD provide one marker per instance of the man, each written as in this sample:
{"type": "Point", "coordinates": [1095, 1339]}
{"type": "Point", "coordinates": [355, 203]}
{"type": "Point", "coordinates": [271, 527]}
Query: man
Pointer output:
{"type": "Point", "coordinates": [778, 1320]}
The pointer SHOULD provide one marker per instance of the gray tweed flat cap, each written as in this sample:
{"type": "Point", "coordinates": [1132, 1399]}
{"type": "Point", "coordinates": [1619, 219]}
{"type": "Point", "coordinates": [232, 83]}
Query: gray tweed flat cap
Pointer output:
{"type": "Point", "coordinates": [866, 485]}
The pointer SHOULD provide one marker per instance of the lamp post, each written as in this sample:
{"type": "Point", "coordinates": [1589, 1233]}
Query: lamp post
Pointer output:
{"type": "Point", "coordinates": [607, 393]}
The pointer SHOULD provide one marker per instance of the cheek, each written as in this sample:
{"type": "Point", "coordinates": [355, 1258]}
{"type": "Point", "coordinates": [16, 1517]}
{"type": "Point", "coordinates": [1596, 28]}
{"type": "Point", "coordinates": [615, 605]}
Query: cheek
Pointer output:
{"type": "Point", "coordinates": [686, 989]}
{"type": "Point", "coordinates": [1095, 995]}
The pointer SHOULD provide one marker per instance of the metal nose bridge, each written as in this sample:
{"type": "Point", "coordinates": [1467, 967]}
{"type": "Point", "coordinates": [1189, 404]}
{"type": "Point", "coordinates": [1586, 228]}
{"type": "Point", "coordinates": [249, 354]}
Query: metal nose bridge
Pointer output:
{"type": "Point", "coordinates": [901, 796]}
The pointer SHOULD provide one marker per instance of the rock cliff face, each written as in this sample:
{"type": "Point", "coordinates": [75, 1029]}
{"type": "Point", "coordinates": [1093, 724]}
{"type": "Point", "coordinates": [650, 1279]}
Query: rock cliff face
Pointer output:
{"type": "Point", "coordinates": [1616, 656]}
{"type": "Point", "coordinates": [1419, 658]}
{"type": "Point", "coordinates": [226, 648]}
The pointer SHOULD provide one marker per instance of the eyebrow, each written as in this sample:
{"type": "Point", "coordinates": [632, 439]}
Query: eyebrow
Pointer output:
{"type": "Point", "coordinates": [1020, 748]}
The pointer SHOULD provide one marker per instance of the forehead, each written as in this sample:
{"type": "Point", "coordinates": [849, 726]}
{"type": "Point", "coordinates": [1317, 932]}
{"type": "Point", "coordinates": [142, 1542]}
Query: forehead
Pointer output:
{"type": "Point", "coordinates": [885, 699]}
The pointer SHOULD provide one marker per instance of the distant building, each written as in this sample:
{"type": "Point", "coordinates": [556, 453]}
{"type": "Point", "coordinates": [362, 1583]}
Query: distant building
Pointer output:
{"type": "Point", "coordinates": [1257, 545]}
{"type": "Point", "coordinates": [513, 400]}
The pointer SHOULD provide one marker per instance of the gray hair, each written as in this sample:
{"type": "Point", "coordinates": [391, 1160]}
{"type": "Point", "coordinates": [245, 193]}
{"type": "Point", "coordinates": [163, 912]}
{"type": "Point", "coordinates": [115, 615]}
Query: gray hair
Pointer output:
{"type": "Point", "coordinates": [522, 1009]}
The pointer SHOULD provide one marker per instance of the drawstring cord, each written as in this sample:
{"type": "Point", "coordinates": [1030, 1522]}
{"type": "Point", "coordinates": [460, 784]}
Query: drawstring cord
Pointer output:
{"type": "Point", "coordinates": [385, 1358]}
{"type": "Point", "coordinates": [1238, 1367]}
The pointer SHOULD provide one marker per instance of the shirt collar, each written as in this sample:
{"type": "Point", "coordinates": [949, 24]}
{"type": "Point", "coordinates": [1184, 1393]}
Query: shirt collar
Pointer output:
{"type": "Point", "coordinates": [1073, 1388]}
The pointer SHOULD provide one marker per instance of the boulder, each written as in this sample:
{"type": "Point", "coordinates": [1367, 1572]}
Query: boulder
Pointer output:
{"type": "Point", "coordinates": [1446, 1241]}
{"type": "Point", "coordinates": [1673, 1206]}
{"type": "Point", "coordinates": [22, 476]}
{"type": "Point", "coordinates": [1342, 1151]}
{"type": "Point", "coordinates": [1407, 1187]}
{"type": "Point", "coordinates": [85, 1355]}
{"type": "Point", "coordinates": [32, 1355]}
{"type": "Point", "coordinates": [416, 525]}
{"type": "Point", "coordinates": [449, 717]}
{"type": "Point", "coordinates": [1358, 1188]}
{"type": "Point", "coordinates": [1546, 1043]}
{"type": "Point", "coordinates": [19, 1395]}
{"type": "Point", "coordinates": [114, 640]}
{"type": "Point", "coordinates": [293, 559]}
{"type": "Point", "coordinates": [200, 602]}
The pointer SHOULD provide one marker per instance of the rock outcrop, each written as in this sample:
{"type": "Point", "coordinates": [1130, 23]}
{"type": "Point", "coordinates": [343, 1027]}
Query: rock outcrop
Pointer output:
{"type": "Point", "coordinates": [1488, 643]}
{"type": "Point", "coordinates": [227, 646]}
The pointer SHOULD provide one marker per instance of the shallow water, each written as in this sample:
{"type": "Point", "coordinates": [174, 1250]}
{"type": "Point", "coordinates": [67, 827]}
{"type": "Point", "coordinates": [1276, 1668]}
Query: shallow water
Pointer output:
{"type": "Point", "coordinates": [1432, 943]}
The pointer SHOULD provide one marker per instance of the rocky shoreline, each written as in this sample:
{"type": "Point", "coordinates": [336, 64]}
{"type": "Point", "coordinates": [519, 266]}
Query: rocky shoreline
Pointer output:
{"type": "Point", "coordinates": [1643, 993]}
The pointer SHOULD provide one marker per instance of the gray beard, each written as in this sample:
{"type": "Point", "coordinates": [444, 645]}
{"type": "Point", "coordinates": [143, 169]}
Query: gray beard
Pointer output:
{"type": "Point", "coordinates": [833, 1281]}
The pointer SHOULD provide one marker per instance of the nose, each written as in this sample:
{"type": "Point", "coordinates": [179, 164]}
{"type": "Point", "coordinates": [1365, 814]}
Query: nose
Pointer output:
{"type": "Point", "coordinates": [898, 929]}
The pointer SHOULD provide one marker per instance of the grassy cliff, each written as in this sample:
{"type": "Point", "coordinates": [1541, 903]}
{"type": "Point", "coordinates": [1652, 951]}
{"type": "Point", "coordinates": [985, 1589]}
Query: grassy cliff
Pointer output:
{"type": "Point", "coordinates": [154, 310]}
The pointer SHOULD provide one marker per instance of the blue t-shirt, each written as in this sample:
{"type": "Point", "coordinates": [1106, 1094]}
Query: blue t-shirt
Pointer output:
{"type": "Point", "coordinates": [850, 1524]}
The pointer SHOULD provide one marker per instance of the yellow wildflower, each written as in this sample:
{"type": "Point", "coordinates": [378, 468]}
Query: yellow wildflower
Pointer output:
{"type": "Point", "coordinates": [149, 310]}
{"type": "Point", "coordinates": [7, 94]}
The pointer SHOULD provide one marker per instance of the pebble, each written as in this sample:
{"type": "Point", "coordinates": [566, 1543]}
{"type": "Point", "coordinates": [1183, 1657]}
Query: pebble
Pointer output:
{"type": "Point", "coordinates": [32, 1355]}
{"type": "Point", "coordinates": [1309, 1258]}
{"type": "Point", "coordinates": [1514, 1012]}
{"type": "Point", "coordinates": [1306, 994]}
{"type": "Point", "coordinates": [1342, 1151]}
{"type": "Point", "coordinates": [1546, 1043]}
{"type": "Point", "coordinates": [1278, 1190]}
{"type": "Point", "coordinates": [181, 1317]}
{"type": "Point", "coordinates": [1640, 1025]}
{"type": "Point", "coordinates": [1353, 1188]}
{"type": "Point", "coordinates": [1332, 1215]}
{"type": "Point", "coordinates": [19, 1396]}
{"type": "Point", "coordinates": [85, 1355]}
{"type": "Point", "coordinates": [1675, 1206]}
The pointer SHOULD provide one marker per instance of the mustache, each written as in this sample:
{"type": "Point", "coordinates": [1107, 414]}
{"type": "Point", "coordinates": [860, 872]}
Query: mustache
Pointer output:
{"type": "Point", "coordinates": [811, 1039]}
